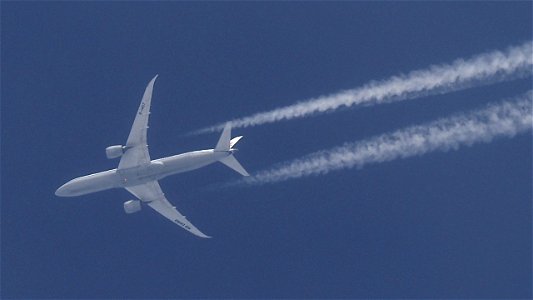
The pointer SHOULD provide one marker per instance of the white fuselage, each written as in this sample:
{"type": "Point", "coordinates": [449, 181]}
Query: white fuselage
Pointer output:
{"type": "Point", "coordinates": [155, 170]}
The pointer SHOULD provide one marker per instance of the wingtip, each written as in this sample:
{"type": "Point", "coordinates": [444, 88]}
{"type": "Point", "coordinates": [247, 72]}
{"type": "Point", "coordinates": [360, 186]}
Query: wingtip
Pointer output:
{"type": "Point", "coordinates": [198, 233]}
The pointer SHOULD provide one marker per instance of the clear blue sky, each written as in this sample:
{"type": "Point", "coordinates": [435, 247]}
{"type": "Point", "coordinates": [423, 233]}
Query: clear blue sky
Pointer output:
{"type": "Point", "coordinates": [454, 224]}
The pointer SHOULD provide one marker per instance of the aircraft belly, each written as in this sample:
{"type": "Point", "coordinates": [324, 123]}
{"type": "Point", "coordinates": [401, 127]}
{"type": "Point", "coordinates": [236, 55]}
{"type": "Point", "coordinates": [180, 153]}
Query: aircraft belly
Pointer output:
{"type": "Point", "coordinates": [188, 161]}
{"type": "Point", "coordinates": [91, 183]}
{"type": "Point", "coordinates": [141, 174]}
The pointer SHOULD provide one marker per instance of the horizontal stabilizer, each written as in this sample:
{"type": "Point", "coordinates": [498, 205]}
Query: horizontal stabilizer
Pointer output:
{"type": "Point", "coordinates": [234, 141]}
{"type": "Point", "coordinates": [231, 162]}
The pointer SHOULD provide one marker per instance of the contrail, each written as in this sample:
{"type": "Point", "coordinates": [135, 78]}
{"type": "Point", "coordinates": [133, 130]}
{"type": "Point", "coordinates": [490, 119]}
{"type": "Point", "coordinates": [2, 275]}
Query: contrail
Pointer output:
{"type": "Point", "coordinates": [504, 119]}
{"type": "Point", "coordinates": [482, 69]}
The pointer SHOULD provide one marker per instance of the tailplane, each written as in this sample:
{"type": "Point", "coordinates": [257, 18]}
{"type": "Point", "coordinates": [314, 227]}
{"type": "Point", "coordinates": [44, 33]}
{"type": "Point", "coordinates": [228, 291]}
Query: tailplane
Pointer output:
{"type": "Point", "coordinates": [225, 144]}
{"type": "Point", "coordinates": [232, 162]}
{"type": "Point", "coordinates": [234, 141]}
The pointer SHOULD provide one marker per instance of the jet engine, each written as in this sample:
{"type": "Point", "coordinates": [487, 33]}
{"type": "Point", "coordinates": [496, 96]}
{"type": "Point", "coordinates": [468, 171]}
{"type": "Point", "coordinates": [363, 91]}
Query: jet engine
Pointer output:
{"type": "Point", "coordinates": [114, 151]}
{"type": "Point", "coordinates": [132, 206]}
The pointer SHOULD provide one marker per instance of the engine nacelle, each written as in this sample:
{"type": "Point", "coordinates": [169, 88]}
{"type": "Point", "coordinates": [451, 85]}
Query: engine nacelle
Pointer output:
{"type": "Point", "coordinates": [132, 206]}
{"type": "Point", "coordinates": [114, 151]}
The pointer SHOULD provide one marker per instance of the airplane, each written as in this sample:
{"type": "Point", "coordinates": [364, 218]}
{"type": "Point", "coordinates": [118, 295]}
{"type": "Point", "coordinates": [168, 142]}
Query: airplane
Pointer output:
{"type": "Point", "coordinates": [139, 175]}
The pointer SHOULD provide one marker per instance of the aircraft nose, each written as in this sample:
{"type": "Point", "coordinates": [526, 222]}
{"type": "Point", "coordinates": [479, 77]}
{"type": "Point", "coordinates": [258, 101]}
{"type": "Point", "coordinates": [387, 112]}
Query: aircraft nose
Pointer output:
{"type": "Point", "coordinates": [62, 191]}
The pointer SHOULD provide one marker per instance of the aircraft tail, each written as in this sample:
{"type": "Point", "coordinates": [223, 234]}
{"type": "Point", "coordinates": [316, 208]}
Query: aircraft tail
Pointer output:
{"type": "Point", "coordinates": [233, 163]}
{"type": "Point", "coordinates": [225, 144]}
{"type": "Point", "coordinates": [224, 140]}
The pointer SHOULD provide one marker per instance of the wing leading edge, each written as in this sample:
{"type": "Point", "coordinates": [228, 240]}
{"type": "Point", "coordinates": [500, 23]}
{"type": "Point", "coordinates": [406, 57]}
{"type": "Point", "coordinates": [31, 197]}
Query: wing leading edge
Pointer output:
{"type": "Point", "coordinates": [152, 194]}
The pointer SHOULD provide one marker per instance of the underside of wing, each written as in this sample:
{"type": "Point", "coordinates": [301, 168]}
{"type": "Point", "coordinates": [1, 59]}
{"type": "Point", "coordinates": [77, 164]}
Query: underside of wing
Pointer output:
{"type": "Point", "coordinates": [152, 194]}
{"type": "Point", "coordinates": [136, 147]}
{"type": "Point", "coordinates": [170, 212]}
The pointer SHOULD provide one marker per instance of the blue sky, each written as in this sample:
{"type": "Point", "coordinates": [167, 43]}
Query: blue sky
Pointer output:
{"type": "Point", "coordinates": [445, 224]}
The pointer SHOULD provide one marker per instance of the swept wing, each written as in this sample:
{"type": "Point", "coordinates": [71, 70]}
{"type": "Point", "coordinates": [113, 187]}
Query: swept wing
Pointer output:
{"type": "Point", "coordinates": [136, 147]}
{"type": "Point", "coordinates": [152, 194]}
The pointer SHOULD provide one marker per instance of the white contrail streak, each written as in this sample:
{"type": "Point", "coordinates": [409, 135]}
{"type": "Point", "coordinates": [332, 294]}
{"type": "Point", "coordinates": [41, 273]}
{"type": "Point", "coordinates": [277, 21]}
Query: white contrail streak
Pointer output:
{"type": "Point", "coordinates": [504, 119]}
{"type": "Point", "coordinates": [482, 69]}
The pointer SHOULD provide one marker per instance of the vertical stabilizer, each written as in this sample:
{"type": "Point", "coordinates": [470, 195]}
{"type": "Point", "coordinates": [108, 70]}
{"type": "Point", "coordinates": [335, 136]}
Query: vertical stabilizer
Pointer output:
{"type": "Point", "coordinates": [223, 142]}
